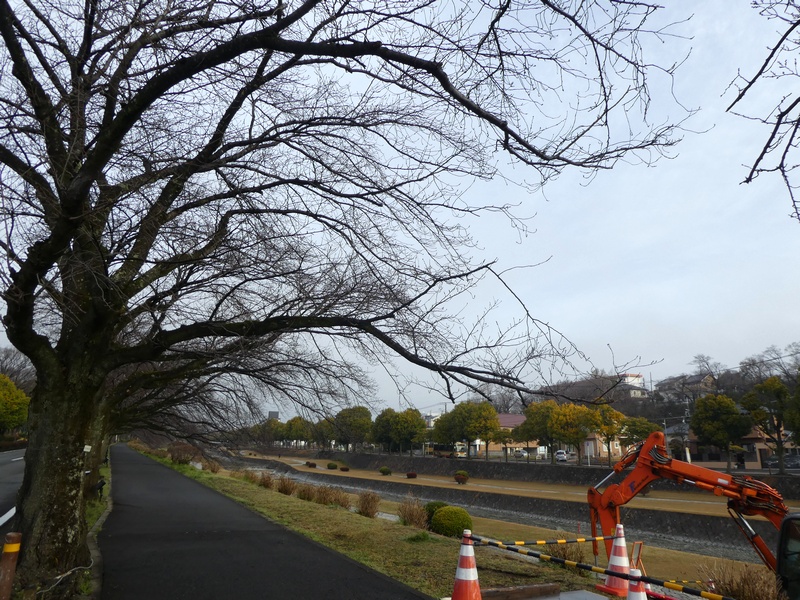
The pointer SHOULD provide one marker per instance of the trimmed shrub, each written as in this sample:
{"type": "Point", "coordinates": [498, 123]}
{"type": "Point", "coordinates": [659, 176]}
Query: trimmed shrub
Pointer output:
{"type": "Point", "coordinates": [462, 473]}
{"type": "Point", "coordinates": [345, 469]}
{"type": "Point", "coordinates": [333, 466]}
{"type": "Point", "coordinates": [266, 480]}
{"type": "Point", "coordinates": [311, 465]}
{"type": "Point", "coordinates": [411, 475]}
{"type": "Point", "coordinates": [367, 504]}
{"type": "Point", "coordinates": [451, 521]}
{"type": "Point", "coordinates": [385, 471]}
{"type": "Point", "coordinates": [461, 477]}
{"type": "Point", "coordinates": [306, 491]}
{"type": "Point", "coordinates": [412, 512]}
{"type": "Point", "coordinates": [432, 507]}
{"type": "Point", "coordinates": [286, 485]}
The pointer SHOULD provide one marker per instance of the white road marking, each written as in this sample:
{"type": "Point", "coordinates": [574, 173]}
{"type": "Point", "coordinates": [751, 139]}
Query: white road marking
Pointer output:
{"type": "Point", "coordinates": [7, 516]}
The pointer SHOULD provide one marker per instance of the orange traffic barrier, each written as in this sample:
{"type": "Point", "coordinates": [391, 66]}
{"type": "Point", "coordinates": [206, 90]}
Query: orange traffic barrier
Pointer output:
{"type": "Point", "coordinates": [466, 586]}
{"type": "Point", "coordinates": [617, 563]}
{"type": "Point", "coordinates": [8, 563]}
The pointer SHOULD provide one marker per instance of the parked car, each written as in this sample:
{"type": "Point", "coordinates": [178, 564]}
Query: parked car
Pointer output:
{"type": "Point", "coordinates": [520, 453]}
{"type": "Point", "coordinates": [790, 461]}
{"type": "Point", "coordinates": [561, 456]}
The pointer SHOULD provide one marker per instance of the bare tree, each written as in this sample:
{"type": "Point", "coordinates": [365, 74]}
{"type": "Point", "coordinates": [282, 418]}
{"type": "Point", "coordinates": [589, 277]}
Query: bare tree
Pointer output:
{"type": "Point", "coordinates": [705, 365]}
{"type": "Point", "coordinates": [195, 191]}
{"type": "Point", "coordinates": [18, 369]}
{"type": "Point", "coordinates": [775, 77]}
{"type": "Point", "coordinates": [783, 363]}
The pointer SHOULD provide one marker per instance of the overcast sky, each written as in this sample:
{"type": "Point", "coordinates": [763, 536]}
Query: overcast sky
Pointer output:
{"type": "Point", "coordinates": [679, 259]}
{"type": "Point", "coordinates": [659, 264]}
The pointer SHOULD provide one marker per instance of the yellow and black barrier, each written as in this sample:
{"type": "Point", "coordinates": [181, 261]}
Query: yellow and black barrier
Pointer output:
{"type": "Point", "coordinates": [599, 538]}
{"type": "Point", "coordinates": [481, 541]}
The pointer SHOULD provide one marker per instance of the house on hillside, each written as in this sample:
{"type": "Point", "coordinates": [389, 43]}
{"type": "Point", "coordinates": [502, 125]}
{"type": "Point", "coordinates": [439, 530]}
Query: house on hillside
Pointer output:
{"type": "Point", "coordinates": [686, 388]}
{"type": "Point", "coordinates": [611, 388]}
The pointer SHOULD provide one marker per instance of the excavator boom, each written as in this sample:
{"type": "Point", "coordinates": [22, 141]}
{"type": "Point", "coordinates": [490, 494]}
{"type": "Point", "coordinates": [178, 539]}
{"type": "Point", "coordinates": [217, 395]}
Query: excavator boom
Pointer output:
{"type": "Point", "coordinates": [746, 496]}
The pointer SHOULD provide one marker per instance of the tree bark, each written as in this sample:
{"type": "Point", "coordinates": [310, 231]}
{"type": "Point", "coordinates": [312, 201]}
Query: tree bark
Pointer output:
{"type": "Point", "coordinates": [50, 514]}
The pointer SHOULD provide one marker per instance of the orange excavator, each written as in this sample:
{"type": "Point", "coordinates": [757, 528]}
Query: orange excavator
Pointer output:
{"type": "Point", "coordinates": [746, 496]}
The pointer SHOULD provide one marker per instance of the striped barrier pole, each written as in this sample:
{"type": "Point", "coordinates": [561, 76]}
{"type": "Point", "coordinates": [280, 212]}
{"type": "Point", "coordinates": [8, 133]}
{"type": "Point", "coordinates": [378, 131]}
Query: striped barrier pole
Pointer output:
{"type": "Point", "coordinates": [8, 563]}
{"type": "Point", "coordinates": [571, 563]}
{"type": "Point", "coordinates": [549, 542]}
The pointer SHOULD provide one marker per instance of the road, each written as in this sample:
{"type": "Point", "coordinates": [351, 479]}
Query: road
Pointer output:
{"type": "Point", "coordinates": [169, 537]}
{"type": "Point", "coordinates": [12, 467]}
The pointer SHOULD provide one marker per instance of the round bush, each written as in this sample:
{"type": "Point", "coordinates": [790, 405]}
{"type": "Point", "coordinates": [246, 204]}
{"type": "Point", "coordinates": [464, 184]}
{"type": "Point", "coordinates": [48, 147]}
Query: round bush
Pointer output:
{"type": "Point", "coordinates": [461, 474]}
{"type": "Point", "coordinates": [451, 521]}
{"type": "Point", "coordinates": [432, 507]}
{"type": "Point", "coordinates": [333, 466]}
{"type": "Point", "coordinates": [311, 465]}
{"type": "Point", "coordinates": [411, 475]}
{"type": "Point", "coordinates": [385, 471]}
{"type": "Point", "coordinates": [344, 468]}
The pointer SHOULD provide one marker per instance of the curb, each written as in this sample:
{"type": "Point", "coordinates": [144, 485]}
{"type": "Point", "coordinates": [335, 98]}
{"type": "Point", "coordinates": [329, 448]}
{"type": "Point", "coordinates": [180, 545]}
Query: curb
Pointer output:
{"type": "Point", "coordinates": [94, 548]}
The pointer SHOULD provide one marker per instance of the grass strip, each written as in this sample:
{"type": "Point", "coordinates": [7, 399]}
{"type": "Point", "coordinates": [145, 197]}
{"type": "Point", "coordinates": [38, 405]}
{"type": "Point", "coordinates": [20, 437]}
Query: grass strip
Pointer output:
{"type": "Point", "coordinates": [422, 560]}
{"type": "Point", "coordinates": [427, 562]}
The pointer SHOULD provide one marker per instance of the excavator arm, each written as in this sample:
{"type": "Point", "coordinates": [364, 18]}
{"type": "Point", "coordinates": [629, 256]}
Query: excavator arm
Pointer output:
{"type": "Point", "coordinates": [746, 496]}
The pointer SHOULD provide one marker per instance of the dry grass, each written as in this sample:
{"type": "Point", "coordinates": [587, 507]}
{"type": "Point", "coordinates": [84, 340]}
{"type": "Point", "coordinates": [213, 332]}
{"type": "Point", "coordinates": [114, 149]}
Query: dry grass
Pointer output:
{"type": "Point", "coordinates": [743, 582]}
{"type": "Point", "coordinates": [265, 480]}
{"type": "Point", "coordinates": [286, 485]}
{"type": "Point", "coordinates": [574, 552]}
{"type": "Point", "coordinates": [412, 512]}
{"type": "Point", "coordinates": [211, 465]}
{"type": "Point", "coordinates": [306, 491]}
{"type": "Point", "coordinates": [182, 453]}
{"type": "Point", "coordinates": [367, 504]}
{"type": "Point", "coordinates": [250, 476]}
{"type": "Point", "coordinates": [342, 498]}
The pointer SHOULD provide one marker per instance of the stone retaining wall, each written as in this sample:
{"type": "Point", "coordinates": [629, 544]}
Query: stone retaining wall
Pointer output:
{"type": "Point", "coordinates": [787, 485]}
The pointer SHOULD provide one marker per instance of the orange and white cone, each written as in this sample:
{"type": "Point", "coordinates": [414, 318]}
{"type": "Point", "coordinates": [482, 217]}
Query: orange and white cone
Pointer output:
{"type": "Point", "coordinates": [636, 589]}
{"type": "Point", "coordinates": [618, 563]}
{"type": "Point", "coordinates": [466, 586]}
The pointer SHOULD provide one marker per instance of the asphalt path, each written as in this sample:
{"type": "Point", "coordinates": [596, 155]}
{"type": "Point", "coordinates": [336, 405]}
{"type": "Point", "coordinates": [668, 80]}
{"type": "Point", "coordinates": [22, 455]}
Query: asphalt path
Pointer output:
{"type": "Point", "coordinates": [169, 537]}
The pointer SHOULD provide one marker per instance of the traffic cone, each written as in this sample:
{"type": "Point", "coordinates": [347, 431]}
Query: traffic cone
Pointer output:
{"type": "Point", "coordinates": [466, 586]}
{"type": "Point", "coordinates": [618, 563]}
{"type": "Point", "coordinates": [636, 589]}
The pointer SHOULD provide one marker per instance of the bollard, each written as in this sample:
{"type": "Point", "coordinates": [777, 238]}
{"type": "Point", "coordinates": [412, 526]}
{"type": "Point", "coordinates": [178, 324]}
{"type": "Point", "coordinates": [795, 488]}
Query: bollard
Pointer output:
{"type": "Point", "coordinates": [8, 563]}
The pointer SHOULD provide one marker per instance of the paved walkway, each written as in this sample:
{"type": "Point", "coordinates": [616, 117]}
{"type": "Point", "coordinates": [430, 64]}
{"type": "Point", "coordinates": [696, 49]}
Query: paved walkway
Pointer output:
{"type": "Point", "coordinates": [169, 538]}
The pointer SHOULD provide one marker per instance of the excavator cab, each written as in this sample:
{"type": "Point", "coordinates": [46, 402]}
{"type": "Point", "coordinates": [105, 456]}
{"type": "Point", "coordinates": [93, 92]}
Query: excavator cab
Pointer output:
{"type": "Point", "coordinates": [788, 569]}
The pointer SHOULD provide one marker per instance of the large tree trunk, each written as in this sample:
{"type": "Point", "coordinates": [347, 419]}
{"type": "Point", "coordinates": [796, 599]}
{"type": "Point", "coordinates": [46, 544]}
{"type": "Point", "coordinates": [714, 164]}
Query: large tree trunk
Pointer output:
{"type": "Point", "coordinates": [50, 515]}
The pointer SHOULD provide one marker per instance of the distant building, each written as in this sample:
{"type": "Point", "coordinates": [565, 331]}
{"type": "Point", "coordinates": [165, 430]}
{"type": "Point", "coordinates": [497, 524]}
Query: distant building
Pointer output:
{"type": "Point", "coordinates": [686, 388]}
{"type": "Point", "coordinates": [611, 388]}
{"type": "Point", "coordinates": [273, 414]}
{"type": "Point", "coordinates": [509, 421]}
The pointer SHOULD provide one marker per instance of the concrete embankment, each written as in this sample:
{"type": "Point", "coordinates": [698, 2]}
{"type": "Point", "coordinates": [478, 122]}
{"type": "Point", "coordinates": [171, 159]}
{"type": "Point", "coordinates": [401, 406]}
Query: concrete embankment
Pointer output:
{"type": "Point", "coordinates": [585, 476]}
{"type": "Point", "coordinates": [709, 535]}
